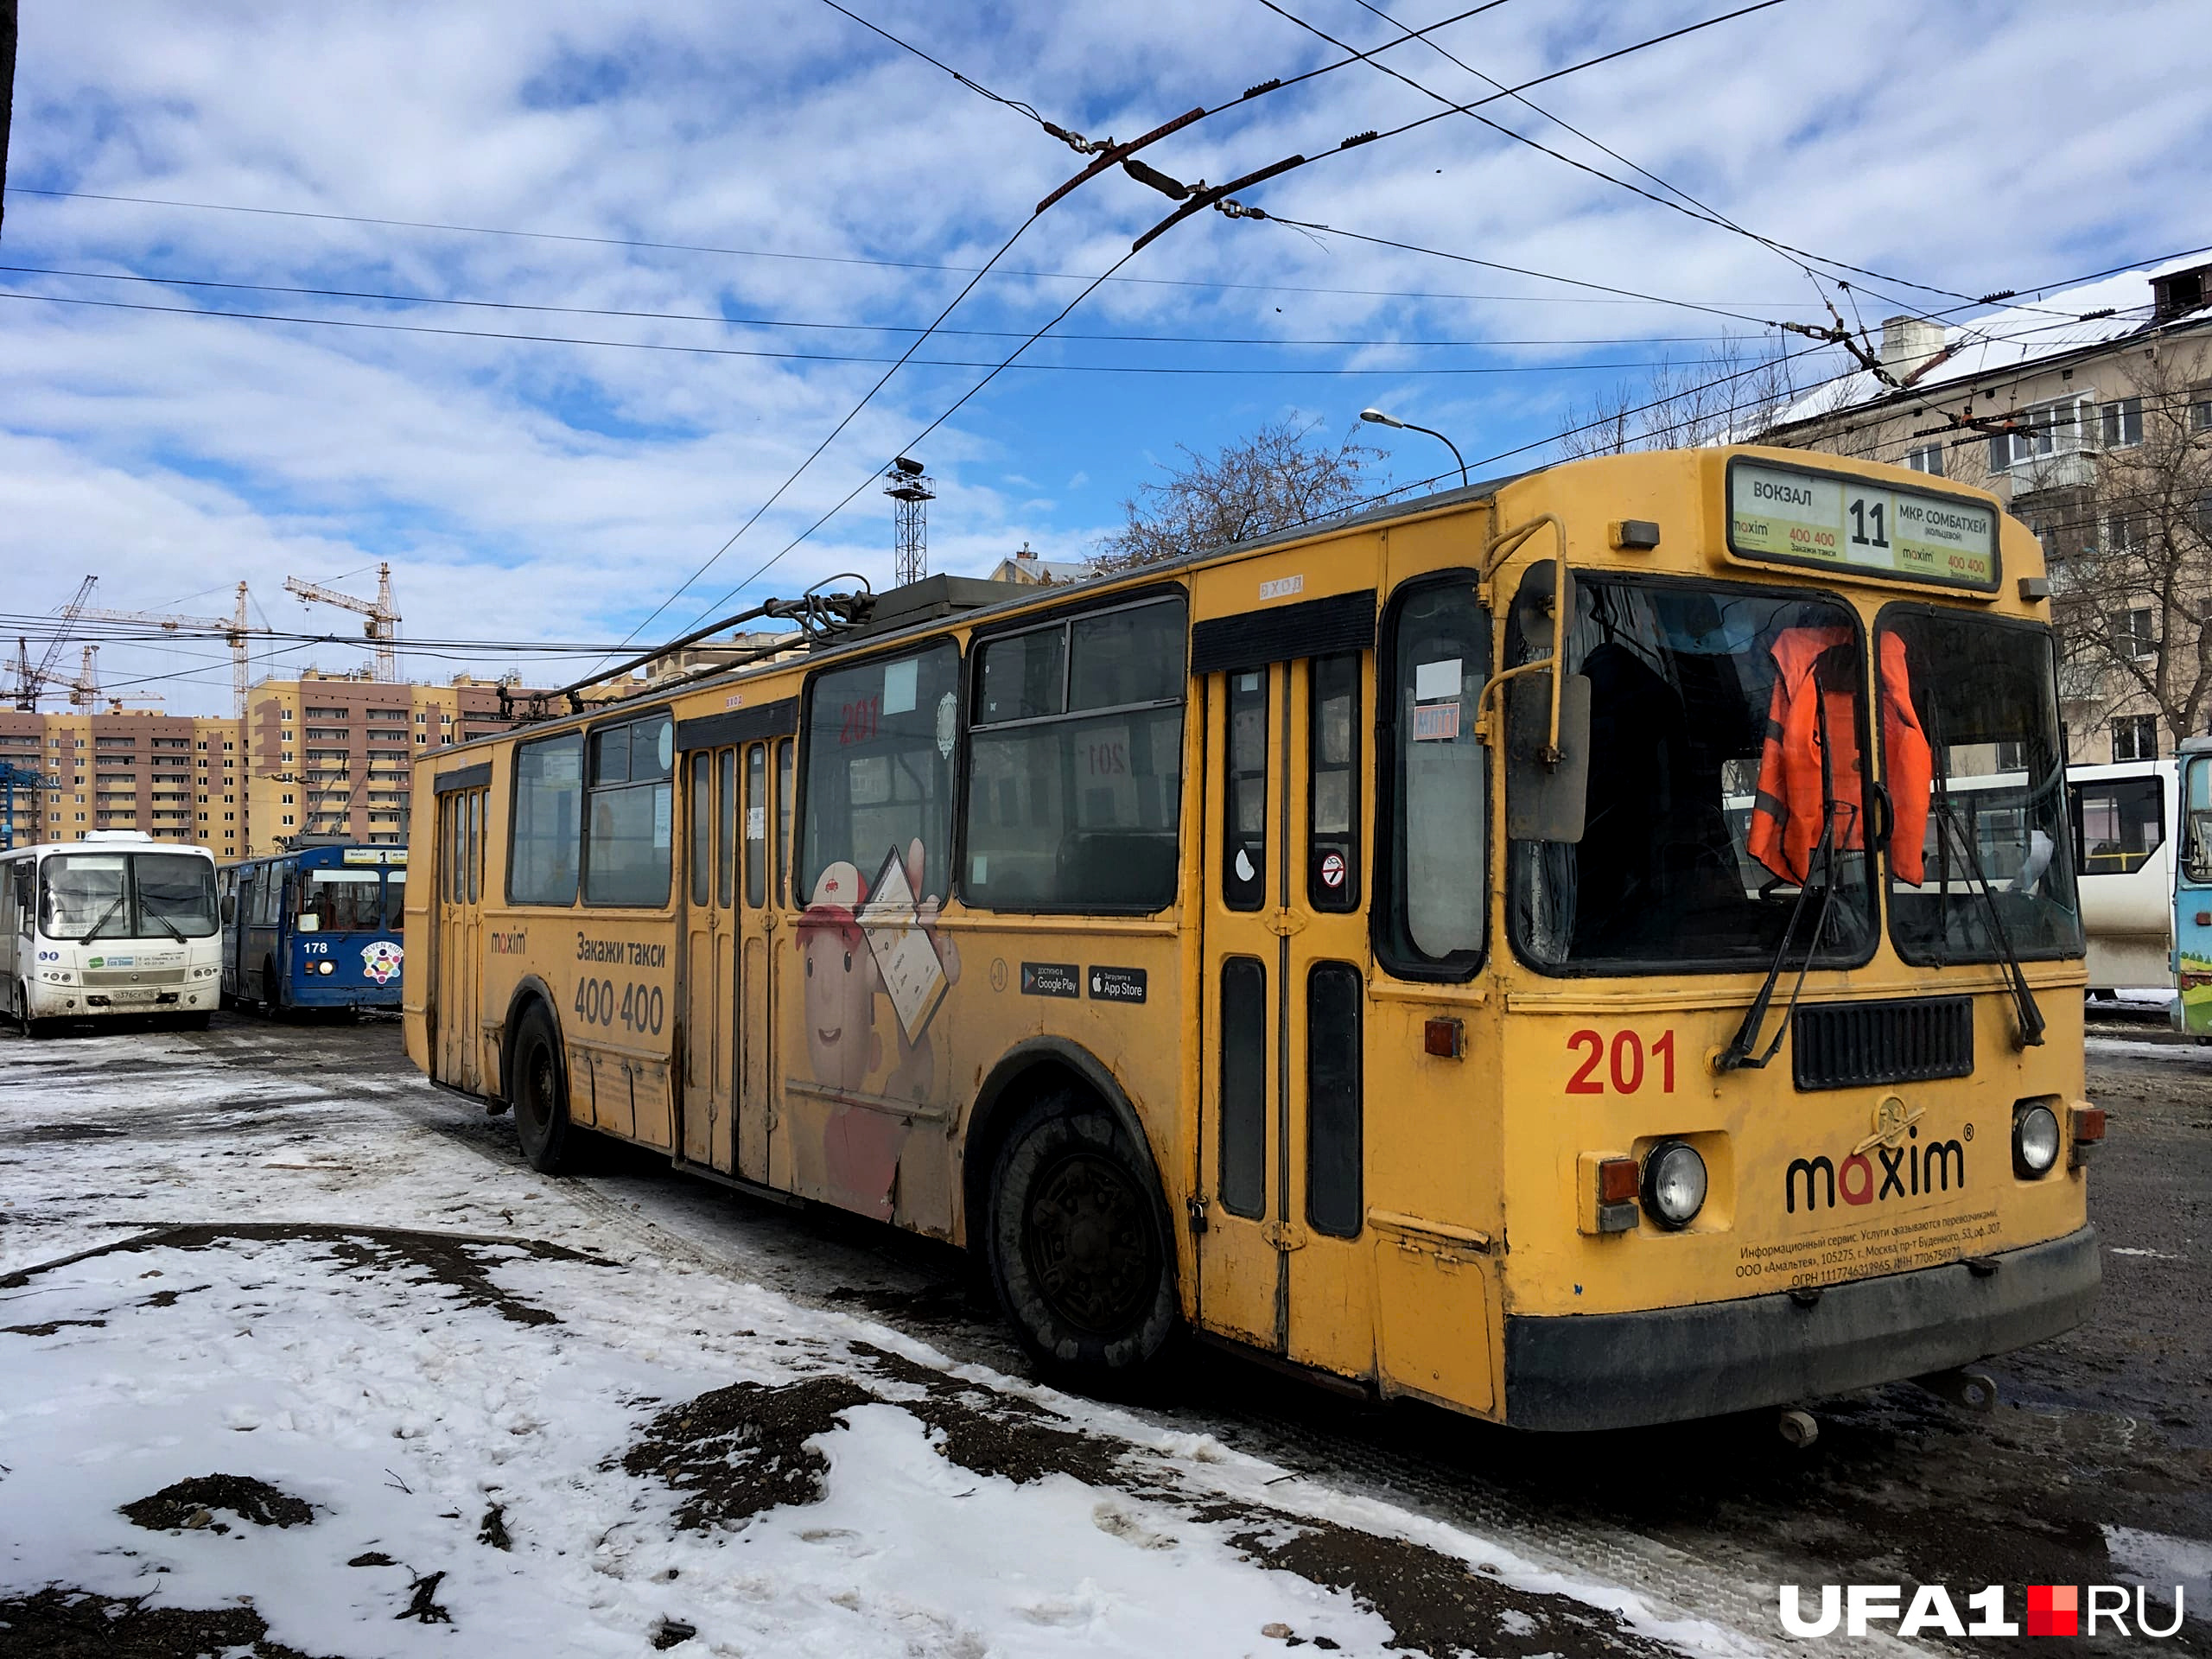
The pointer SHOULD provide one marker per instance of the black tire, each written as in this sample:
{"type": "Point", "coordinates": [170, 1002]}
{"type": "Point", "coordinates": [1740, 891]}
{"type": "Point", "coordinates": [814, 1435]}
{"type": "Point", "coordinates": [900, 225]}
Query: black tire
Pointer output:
{"type": "Point", "coordinates": [1081, 1247]}
{"type": "Point", "coordinates": [199, 1021]}
{"type": "Point", "coordinates": [539, 1094]}
{"type": "Point", "coordinates": [21, 996]}
{"type": "Point", "coordinates": [270, 1007]}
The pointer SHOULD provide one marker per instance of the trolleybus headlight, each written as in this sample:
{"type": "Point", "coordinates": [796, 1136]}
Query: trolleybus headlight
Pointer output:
{"type": "Point", "coordinates": [1673, 1184]}
{"type": "Point", "coordinates": [2035, 1140]}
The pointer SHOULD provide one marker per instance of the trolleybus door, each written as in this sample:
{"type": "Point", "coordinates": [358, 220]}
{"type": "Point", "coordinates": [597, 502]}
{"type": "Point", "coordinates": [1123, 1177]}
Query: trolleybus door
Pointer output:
{"type": "Point", "coordinates": [710, 951]}
{"type": "Point", "coordinates": [1282, 1261]}
{"type": "Point", "coordinates": [460, 970]}
{"type": "Point", "coordinates": [763, 850]}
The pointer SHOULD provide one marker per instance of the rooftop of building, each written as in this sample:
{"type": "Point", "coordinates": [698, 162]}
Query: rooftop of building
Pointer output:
{"type": "Point", "coordinates": [2021, 337]}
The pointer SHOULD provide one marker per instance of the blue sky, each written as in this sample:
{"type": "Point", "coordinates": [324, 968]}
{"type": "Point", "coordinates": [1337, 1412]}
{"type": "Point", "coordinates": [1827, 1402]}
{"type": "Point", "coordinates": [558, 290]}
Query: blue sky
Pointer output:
{"type": "Point", "coordinates": [528, 490]}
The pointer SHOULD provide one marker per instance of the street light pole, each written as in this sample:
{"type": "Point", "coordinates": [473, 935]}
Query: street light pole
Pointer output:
{"type": "Point", "coordinates": [1378, 418]}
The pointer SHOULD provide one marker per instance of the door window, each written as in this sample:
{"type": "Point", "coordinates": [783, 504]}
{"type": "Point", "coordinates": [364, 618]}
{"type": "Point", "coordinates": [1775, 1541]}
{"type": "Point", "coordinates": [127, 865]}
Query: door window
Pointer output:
{"type": "Point", "coordinates": [1431, 849]}
{"type": "Point", "coordinates": [1333, 873]}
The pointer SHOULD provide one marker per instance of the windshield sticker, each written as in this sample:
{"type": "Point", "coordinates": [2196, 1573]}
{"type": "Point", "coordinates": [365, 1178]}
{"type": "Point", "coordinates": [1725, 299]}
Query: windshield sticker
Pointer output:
{"type": "Point", "coordinates": [1435, 681]}
{"type": "Point", "coordinates": [1436, 722]}
{"type": "Point", "coordinates": [898, 681]}
{"type": "Point", "coordinates": [1848, 524]}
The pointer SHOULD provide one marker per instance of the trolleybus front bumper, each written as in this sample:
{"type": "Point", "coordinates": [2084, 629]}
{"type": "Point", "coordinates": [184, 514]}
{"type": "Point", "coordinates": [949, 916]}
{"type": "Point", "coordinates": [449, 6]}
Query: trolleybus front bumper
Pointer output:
{"type": "Point", "coordinates": [1614, 1370]}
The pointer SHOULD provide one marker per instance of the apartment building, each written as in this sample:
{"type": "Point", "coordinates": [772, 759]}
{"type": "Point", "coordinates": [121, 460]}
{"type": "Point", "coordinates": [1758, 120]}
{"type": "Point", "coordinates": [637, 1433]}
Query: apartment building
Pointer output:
{"type": "Point", "coordinates": [324, 754]}
{"type": "Point", "coordinates": [2088, 411]}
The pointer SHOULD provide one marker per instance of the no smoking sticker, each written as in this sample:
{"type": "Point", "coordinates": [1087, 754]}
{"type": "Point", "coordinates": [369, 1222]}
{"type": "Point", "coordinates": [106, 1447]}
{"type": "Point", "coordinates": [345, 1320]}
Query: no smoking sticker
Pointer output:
{"type": "Point", "coordinates": [1333, 870]}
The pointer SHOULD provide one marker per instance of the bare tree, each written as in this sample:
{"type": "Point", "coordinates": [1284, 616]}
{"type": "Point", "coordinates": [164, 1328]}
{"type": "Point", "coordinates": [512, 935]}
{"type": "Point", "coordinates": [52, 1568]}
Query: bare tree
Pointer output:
{"type": "Point", "coordinates": [1729, 394]}
{"type": "Point", "coordinates": [2131, 549]}
{"type": "Point", "coordinates": [1279, 476]}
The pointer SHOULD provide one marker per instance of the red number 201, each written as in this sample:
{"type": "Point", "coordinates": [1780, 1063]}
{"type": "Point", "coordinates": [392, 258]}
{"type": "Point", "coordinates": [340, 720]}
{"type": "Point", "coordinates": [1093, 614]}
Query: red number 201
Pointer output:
{"type": "Point", "coordinates": [1627, 1062]}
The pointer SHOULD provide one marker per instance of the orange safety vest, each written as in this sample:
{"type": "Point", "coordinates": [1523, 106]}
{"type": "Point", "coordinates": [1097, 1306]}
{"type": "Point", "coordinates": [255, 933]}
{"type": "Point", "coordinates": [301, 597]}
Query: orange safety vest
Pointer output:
{"type": "Point", "coordinates": [1786, 813]}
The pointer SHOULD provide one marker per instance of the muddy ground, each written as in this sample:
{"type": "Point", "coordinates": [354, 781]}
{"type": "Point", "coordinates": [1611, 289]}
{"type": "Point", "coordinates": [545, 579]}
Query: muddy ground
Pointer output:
{"type": "Point", "coordinates": [2109, 1426]}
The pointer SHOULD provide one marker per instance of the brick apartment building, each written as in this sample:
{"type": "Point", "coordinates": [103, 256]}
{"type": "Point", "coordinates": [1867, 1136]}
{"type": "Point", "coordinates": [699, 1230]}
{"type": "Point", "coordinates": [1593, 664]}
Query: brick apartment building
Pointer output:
{"type": "Point", "coordinates": [324, 754]}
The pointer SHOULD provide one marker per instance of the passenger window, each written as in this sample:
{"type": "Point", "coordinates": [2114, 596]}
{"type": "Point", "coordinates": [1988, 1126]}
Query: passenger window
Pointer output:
{"type": "Point", "coordinates": [1075, 763]}
{"type": "Point", "coordinates": [1243, 1086]}
{"type": "Point", "coordinates": [756, 825]}
{"type": "Point", "coordinates": [476, 798]}
{"type": "Point", "coordinates": [627, 843]}
{"type": "Point", "coordinates": [2118, 822]}
{"type": "Point", "coordinates": [1432, 848]}
{"type": "Point", "coordinates": [1335, 1182]}
{"type": "Point", "coordinates": [880, 739]}
{"type": "Point", "coordinates": [784, 754]}
{"type": "Point", "coordinates": [548, 821]}
{"type": "Point", "coordinates": [699, 845]}
{"type": "Point", "coordinates": [725, 833]}
{"type": "Point", "coordinates": [1244, 837]}
{"type": "Point", "coordinates": [1332, 765]}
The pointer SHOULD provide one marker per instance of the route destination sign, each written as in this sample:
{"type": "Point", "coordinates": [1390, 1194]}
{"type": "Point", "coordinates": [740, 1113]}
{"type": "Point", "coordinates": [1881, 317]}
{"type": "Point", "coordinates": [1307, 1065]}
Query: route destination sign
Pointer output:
{"type": "Point", "coordinates": [1835, 522]}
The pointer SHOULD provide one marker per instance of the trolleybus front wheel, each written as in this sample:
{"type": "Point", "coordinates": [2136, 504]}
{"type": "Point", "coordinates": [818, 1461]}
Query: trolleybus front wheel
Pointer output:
{"type": "Point", "coordinates": [1080, 1247]}
{"type": "Point", "coordinates": [541, 1096]}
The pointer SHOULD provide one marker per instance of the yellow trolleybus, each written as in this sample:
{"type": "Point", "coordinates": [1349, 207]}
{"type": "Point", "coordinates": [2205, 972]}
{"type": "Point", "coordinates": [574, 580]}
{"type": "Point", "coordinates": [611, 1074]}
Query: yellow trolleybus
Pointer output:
{"type": "Point", "coordinates": [1598, 947]}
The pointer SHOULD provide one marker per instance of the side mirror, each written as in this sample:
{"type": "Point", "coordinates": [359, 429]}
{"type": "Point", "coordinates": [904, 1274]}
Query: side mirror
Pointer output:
{"type": "Point", "coordinates": [1544, 800]}
{"type": "Point", "coordinates": [230, 908]}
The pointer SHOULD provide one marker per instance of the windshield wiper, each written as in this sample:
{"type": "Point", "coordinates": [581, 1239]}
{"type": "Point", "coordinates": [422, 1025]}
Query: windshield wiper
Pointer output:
{"type": "Point", "coordinates": [176, 933]}
{"type": "Point", "coordinates": [104, 915]}
{"type": "Point", "coordinates": [1737, 1057]}
{"type": "Point", "coordinates": [2023, 999]}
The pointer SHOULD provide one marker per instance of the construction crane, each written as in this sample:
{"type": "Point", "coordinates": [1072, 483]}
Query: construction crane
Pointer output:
{"type": "Point", "coordinates": [234, 629]}
{"type": "Point", "coordinates": [230, 626]}
{"type": "Point", "coordinates": [382, 628]}
{"type": "Point", "coordinates": [85, 693]}
{"type": "Point", "coordinates": [31, 682]}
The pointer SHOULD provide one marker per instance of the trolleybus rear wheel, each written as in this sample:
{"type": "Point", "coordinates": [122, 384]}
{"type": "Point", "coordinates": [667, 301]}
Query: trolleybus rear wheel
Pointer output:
{"type": "Point", "coordinates": [1080, 1247]}
{"type": "Point", "coordinates": [541, 1096]}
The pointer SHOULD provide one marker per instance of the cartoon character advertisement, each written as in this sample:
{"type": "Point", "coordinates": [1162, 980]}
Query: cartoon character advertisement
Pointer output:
{"type": "Point", "coordinates": [380, 960]}
{"type": "Point", "coordinates": [875, 966]}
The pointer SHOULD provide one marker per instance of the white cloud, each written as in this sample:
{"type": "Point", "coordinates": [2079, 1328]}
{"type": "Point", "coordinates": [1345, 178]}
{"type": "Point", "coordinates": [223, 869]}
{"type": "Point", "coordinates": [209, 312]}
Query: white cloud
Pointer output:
{"type": "Point", "coordinates": [558, 492]}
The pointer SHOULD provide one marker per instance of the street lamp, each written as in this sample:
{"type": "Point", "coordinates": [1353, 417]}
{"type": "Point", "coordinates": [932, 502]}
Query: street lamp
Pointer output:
{"type": "Point", "coordinates": [1377, 417]}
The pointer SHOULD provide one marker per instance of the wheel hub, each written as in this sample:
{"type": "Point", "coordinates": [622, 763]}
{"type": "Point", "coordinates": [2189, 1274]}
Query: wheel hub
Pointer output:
{"type": "Point", "coordinates": [1087, 1246]}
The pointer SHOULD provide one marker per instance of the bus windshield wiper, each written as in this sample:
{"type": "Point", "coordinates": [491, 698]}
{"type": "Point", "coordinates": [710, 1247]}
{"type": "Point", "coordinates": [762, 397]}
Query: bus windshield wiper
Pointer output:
{"type": "Point", "coordinates": [174, 931]}
{"type": "Point", "coordinates": [2023, 999]}
{"type": "Point", "coordinates": [93, 932]}
{"type": "Point", "coordinates": [1738, 1056]}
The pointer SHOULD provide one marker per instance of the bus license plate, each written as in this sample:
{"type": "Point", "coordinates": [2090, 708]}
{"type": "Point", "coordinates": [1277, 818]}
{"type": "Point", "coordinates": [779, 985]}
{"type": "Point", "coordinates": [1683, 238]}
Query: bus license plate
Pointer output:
{"type": "Point", "coordinates": [132, 994]}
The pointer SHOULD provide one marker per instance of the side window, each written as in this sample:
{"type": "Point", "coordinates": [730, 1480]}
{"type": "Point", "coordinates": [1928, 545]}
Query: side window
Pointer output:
{"type": "Point", "coordinates": [1075, 763]}
{"type": "Point", "coordinates": [756, 825]}
{"type": "Point", "coordinates": [725, 829]}
{"type": "Point", "coordinates": [547, 820]}
{"type": "Point", "coordinates": [880, 739]}
{"type": "Point", "coordinates": [627, 839]}
{"type": "Point", "coordinates": [1244, 837]}
{"type": "Point", "coordinates": [2118, 822]}
{"type": "Point", "coordinates": [1332, 874]}
{"type": "Point", "coordinates": [1432, 844]}
{"type": "Point", "coordinates": [395, 900]}
{"type": "Point", "coordinates": [476, 799]}
{"type": "Point", "coordinates": [784, 751]}
{"type": "Point", "coordinates": [699, 814]}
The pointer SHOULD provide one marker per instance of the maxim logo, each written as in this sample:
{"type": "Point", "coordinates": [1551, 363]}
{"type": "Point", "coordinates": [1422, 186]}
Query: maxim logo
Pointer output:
{"type": "Point", "coordinates": [1901, 1166]}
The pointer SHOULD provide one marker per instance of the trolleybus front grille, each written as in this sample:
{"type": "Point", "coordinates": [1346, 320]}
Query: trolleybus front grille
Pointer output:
{"type": "Point", "coordinates": [1852, 1045]}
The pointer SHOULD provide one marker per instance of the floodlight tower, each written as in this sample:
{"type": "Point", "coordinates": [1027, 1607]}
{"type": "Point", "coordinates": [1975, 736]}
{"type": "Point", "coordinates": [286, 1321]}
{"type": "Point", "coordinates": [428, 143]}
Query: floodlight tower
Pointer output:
{"type": "Point", "coordinates": [908, 487]}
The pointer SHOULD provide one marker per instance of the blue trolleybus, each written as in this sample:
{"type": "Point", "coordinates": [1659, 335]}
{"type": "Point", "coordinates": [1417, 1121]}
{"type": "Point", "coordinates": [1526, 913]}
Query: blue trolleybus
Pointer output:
{"type": "Point", "coordinates": [318, 927]}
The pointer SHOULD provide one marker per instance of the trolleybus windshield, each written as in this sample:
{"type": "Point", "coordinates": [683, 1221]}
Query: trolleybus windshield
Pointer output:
{"type": "Point", "coordinates": [1986, 702]}
{"type": "Point", "coordinates": [342, 900]}
{"type": "Point", "coordinates": [1727, 726]}
{"type": "Point", "coordinates": [126, 896]}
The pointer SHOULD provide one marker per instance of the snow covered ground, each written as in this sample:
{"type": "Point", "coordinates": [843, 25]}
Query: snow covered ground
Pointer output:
{"type": "Point", "coordinates": [287, 1366]}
